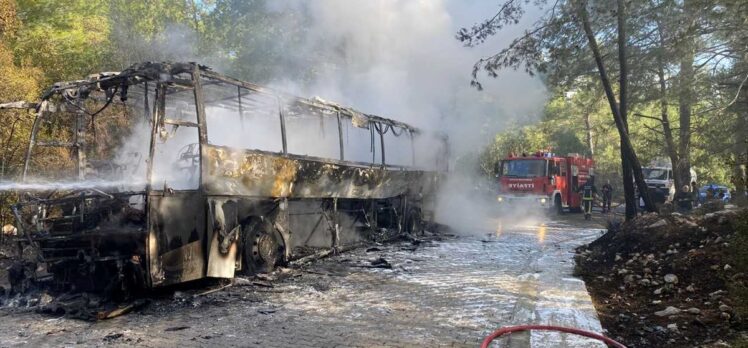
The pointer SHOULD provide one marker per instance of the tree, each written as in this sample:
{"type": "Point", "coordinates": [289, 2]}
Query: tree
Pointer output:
{"type": "Point", "coordinates": [557, 35]}
{"type": "Point", "coordinates": [68, 41]}
{"type": "Point", "coordinates": [152, 30]}
{"type": "Point", "coordinates": [693, 42]}
{"type": "Point", "coordinates": [258, 43]}
{"type": "Point", "coordinates": [16, 83]}
{"type": "Point", "coordinates": [629, 161]}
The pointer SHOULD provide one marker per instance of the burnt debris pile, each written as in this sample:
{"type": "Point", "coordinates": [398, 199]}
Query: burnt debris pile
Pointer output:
{"type": "Point", "coordinates": [670, 280]}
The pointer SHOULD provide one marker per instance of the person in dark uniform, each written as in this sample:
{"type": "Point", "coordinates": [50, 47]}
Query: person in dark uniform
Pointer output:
{"type": "Point", "coordinates": [607, 195]}
{"type": "Point", "coordinates": [588, 191]}
{"type": "Point", "coordinates": [684, 199]}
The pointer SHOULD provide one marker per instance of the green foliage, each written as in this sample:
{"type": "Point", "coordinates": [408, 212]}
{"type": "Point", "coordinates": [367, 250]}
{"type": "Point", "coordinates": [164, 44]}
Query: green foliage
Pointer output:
{"type": "Point", "coordinates": [248, 31]}
{"type": "Point", "coordinates": [8, 19]}
{"type": "Point", "coordinates": [66, 40]}
{"type": "Point", "coordinates": [563, 130]}
{"type": "Point", "coordinates": [16, 83]}
{"type": "Point", "coordinates": [686, 60]}
{"type": "Point", "coordinates": [162, 30]}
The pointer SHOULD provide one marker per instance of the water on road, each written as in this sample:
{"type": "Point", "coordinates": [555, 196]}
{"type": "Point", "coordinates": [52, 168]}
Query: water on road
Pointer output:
{"type": "Point", "coordinates": [451, 292]}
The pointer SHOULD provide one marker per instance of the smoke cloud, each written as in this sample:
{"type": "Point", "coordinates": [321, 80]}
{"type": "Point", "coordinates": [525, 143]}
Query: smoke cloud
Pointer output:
{"type": "Point", "coordinates": [393, 58]}
{"type": "Point", "coordinates": [399, 59]}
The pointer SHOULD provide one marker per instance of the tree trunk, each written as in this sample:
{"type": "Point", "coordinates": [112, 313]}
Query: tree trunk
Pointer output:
{"type": "Point", "coordinates": [667, 130]}
{"type": "Point", "coordinates": [626, 168]}
{"type": "Point", "coordinates": [588, 133]}
{"type": "Point", "coordinates": [629, 162]}
{"type": "Point", "coordinates": [685, 100]}
{"type": "Point", "coordinates": [685, 97]}
{"type": "Point", "coordinates": [740, 152]}
{"type": "Point", "coordinates": [196, 23]}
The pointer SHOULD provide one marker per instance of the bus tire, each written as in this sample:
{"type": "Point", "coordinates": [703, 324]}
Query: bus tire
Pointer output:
{"type": "Point", "coordinates": [262, 246]}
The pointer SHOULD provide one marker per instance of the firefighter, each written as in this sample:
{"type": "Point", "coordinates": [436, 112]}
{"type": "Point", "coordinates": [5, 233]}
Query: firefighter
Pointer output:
{"type": "Point", "coordinates": [607, 195]}
{"type": "Point", "coordinates": [588, 191]}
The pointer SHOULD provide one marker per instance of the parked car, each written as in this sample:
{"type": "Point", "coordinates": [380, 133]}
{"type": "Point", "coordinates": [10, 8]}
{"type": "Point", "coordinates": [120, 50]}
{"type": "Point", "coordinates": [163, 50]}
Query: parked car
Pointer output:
{"type": "Point", "coordinates": [717, 192]}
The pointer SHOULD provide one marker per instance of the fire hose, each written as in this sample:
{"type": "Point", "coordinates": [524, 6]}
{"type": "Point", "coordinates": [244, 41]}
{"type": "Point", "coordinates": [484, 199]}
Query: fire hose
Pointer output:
{"type": "Point", "coordinates": [510, 329]}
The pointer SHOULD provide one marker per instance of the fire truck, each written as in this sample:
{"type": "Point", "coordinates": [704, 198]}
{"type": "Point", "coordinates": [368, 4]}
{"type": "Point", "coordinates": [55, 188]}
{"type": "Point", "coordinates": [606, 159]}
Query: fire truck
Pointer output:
{"type": "Point", "coordinates": [544, 179]}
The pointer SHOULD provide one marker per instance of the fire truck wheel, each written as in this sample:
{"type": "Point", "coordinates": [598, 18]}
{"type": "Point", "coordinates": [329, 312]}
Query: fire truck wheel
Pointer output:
{"type": "Point", "coordinates": [557, 204]}
{"type": "Point", "coordinates": [262, 246]}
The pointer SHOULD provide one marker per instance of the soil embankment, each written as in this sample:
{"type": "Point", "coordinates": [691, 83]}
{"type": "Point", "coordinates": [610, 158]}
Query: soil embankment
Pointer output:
{"type": "Point", "coordinates": [672, 280]}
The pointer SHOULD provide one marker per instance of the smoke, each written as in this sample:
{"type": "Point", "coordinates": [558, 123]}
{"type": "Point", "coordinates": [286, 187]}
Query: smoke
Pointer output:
{"type": "Point", "coordinates": [399, 59]}
{"type": "Point", "coordinates": [393, 58]}
{"type": "Point", "coordinates": [62, 185]}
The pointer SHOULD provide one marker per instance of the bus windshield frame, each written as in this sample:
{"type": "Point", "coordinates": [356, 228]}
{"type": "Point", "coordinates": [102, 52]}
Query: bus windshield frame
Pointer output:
{"type": "Point", "coordinates": [656, 173]}
{"type": "Point", "coordinates": [524, 168]}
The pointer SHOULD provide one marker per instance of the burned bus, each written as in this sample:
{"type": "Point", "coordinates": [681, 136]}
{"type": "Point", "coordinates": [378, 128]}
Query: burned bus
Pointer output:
{"type": "Point", "coordinates": [181, 173]}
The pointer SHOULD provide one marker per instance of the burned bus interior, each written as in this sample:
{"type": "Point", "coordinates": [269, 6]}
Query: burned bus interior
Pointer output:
{"type": "Point", "coordinates": [170, 172]}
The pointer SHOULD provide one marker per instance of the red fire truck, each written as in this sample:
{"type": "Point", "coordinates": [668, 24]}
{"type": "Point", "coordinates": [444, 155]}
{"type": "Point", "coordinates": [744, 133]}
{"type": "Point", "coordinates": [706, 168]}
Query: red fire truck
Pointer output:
{"type": "Point", "coordinates": [544, 179]}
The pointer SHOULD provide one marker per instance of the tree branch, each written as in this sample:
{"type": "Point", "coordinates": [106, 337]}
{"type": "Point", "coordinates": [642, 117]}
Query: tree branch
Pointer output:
{"type": "Point", "coordinates": [646, 116]}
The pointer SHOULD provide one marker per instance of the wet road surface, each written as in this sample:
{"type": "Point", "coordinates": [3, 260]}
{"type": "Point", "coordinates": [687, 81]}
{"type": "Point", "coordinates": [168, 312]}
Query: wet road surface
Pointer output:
{"type": "Point", "coordinates": [451, 292]}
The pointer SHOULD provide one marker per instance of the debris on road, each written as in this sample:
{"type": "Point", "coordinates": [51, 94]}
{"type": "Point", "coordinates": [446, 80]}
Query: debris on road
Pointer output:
{"type": "Point", "coordinates": [267, 311]}
{"type": "Point", "coordinates": [176, 328]}
{"type": "Point", "coordinates": [381, 263]}
{"type": "Point", "coordinates": [121, 310]}
{"type": "Point", "coordinates": [112, 337]}
{"type": "Point", "coordinates": [88, 307]}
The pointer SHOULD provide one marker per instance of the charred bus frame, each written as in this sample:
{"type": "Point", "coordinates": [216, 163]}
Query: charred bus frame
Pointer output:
{"type": "Point", "coordinates": [245, 208]}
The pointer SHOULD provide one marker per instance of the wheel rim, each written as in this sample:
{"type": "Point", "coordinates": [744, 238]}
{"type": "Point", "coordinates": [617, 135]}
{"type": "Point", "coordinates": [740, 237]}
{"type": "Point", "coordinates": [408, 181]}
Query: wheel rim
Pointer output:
{"type": "Point", "coordinates": [263, 249]}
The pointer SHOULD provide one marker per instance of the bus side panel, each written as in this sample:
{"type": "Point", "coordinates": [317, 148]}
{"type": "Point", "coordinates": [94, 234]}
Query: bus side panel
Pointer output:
{"type": "Point", "coordinates": [259, 174]}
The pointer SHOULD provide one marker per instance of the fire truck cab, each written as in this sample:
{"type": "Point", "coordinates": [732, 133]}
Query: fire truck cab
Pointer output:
{"type": "Point", "coordinates": [543, 179]}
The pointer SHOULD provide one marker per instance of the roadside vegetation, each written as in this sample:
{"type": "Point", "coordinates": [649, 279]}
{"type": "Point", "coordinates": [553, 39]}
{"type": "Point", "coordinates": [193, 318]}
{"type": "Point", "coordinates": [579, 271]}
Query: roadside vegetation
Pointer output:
{"type": "Point", "coordinates": [672, 72]}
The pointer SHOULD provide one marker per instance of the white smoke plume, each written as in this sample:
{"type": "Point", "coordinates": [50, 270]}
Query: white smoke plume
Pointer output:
{"type": "Point", "coordinates": [399, 59]}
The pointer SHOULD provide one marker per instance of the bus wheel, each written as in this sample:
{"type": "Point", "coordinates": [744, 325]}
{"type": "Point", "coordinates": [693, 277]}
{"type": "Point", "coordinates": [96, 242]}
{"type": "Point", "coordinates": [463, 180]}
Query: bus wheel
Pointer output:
{"type": "Point", "coordinates": [557, 205]}
{"type": "Point", "coordinates": [129, 282]}
{"type": "Point", "coordinates": [263, 246]}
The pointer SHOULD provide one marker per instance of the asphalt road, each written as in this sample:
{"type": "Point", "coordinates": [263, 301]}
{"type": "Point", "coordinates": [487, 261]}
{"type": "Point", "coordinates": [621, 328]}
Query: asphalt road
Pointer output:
{"type": "Point", "coordinates": [450, 292]}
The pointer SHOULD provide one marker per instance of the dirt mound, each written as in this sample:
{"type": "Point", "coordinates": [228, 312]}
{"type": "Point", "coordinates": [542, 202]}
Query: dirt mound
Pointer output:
{"type": "Point", "coordinates": [671, 280]}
